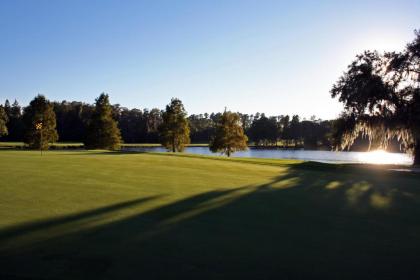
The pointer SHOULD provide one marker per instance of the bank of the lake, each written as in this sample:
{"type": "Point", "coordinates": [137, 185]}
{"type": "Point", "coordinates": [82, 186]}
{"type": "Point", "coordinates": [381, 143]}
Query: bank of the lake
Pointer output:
{"type": "Point", "coordinates": [298, 154]}
{"type": "Point", "coordinates": [254, 152]}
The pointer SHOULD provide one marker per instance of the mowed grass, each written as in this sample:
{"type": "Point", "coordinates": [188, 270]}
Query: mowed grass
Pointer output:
{"type": "Point", "coordinates": [103, 215]}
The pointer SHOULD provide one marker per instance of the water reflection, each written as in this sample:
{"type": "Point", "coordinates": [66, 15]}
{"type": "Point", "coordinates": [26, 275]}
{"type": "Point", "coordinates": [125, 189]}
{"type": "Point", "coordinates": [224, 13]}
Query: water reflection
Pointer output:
{"type": "Point", "coordinates": [376, 157]}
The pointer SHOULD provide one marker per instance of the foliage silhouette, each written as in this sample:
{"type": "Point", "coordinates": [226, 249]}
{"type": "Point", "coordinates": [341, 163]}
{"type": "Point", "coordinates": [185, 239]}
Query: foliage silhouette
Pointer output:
{"type": "Point", "coordinates": [40, 123]}
{"type": "Point", "coordinates": [229, 135]}
{"type": "Point", "coordinates": [174, 130]}
{"type": "Point", "coordinates": [103, 132]}
{"type": "Point", "coordinates": [381, 97]}
{"type": "Point", "coordinates": [3, 121]}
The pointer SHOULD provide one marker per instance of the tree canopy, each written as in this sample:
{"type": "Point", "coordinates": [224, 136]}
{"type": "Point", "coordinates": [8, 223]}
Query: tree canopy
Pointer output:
{"type": "Point", "coordinates": [381, 96]}
{"type": "Point", "coordinates": [15, 125]}
{"type": "Point", "coordinates": [229, 134]}
{"type": "Point", "coordinates": [40, 123]}
{"type": "Point", "coordinates": [102, 129]}
{"type": "Point", "coordinates": [3, 122]}
{"type": "Point", "coordinates": [264, 130]}
{"type": "Point", "coordinates": [174, 130]}
{"type": "Point", "coordinates": [142, 125]}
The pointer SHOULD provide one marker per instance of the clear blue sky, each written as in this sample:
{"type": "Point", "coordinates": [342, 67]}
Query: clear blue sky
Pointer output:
{"type": "Point", "coordinates": [277, 57]}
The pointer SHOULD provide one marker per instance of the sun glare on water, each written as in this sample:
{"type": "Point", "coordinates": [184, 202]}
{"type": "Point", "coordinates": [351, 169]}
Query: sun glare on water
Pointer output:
{"type": "Point", "coordinates": [379, 157]}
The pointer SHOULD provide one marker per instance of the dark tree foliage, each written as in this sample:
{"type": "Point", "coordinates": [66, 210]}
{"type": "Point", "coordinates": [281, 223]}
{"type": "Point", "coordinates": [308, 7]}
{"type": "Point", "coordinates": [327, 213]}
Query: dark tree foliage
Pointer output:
{"type": "Point", "coordinates": [174, 130]}
{"type": "Point", "coordinates": [141, 126]}
{"type": "Point", "coordinates": [154, 119]}
{"type": "Point", "coordinates": [40, 123]}
{"type": "Point", "coordinates": [3, 122]}
{"type": "Point", "coordinates": [72, 118]}
{"type": "Point", "coordinates": [133, 125]}
{"type": "Point", "coordinates": [102, 129]}
{"type": "Point", "coordinates": [316, 133]}
{"type": "Point", "coordinates": [292, 133]}
{"type": "Point", "coordinates": [381, 96]}
{"type": "Point", "coordinates": [283, 126]}
{"type": "Point", "coordinates": [201, 128]}
{"type": "Point", "coordinates": [15, 125]}
{"type": "Point", "coordinates": [246, 121]}
{"type": "Point", "coordinates": [264, 131]}
{"type": "Point", "coordinates": [137, 126]}
{"type": "Point", "coordinates": [229, 135]}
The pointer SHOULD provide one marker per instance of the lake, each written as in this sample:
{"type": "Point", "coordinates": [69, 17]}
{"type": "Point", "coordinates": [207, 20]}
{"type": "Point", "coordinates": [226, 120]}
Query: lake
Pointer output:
{"type": "Point", "coordinates": [375, 157]}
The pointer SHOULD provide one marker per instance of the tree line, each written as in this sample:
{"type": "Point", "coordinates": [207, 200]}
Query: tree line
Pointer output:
{"type": "Point", "coordinates": [73, 121]}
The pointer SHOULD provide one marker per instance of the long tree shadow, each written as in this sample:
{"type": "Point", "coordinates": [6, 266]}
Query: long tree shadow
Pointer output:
{"type": "Point", "coordinates": [336, 224]}
{"type": "Point", "coordinates": [28, 228]}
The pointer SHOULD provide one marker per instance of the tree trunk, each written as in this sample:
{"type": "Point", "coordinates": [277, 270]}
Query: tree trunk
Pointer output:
{"type": "Point", "coordinates": [173, 144]}
{"type": "Point", "coordinates": [417, 153]}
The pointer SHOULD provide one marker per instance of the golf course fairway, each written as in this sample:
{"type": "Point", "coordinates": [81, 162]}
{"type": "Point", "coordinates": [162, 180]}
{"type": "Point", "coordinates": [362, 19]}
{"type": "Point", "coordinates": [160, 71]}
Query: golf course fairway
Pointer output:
{"type": "Point", "coordinates": [114, 215]}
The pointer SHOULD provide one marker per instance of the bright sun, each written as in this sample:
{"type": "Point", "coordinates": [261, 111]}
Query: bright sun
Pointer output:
{"type": "Point", "coordinates": [378, 157]}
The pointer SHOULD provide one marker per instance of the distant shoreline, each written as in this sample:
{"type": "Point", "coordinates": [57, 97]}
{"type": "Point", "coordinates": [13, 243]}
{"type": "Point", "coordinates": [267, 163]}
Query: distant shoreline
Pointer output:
{"type": "Point", "coordinates": [58, 146]}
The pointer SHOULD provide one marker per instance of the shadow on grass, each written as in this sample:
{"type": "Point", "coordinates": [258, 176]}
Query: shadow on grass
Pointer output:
{"type": "Point", "coordinates": [309, 223]}
{"type": "Point", "coordinates": [24, 229]}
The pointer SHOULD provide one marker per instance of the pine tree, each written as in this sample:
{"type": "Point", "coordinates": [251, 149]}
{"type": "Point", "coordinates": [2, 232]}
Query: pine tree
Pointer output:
{"type": "Point", "coordinates": [7, 107]}
{"type": "Point", "coordinates": [40, 123]}
{"type": "Point", "coordinates": [175, 130]}
{"type": "Point", "coordinates": [3, 122]}
{"type": "Point", "coordinates": [229, 135]}
{"type": "Point", "coordinates": [15, 124]}
{"type": "Point", "coordinates": [102, 130]}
